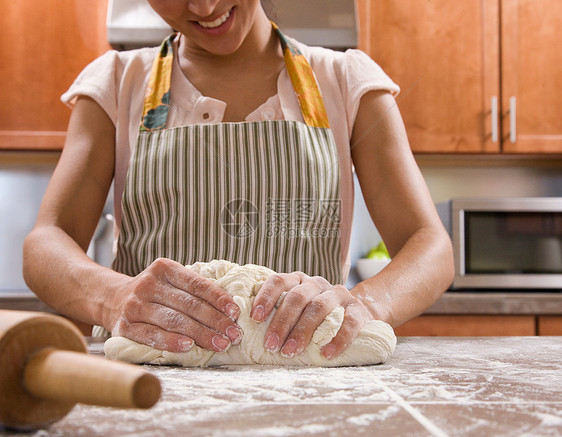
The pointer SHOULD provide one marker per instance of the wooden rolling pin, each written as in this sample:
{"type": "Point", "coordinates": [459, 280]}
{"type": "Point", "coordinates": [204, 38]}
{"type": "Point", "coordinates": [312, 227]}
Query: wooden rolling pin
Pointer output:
{"type": "Point", "coordinates": [45, 371]}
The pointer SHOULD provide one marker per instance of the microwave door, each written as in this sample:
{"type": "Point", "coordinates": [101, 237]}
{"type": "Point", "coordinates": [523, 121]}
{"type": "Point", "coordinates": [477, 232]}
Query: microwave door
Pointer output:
{"type": "Point", "coordinates": [507, 249]}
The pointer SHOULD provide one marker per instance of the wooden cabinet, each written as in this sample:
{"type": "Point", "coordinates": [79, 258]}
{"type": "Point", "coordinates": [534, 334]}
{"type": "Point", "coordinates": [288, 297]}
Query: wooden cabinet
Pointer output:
{"type": "Point", "coordinates": [468, 325]}
{"type": "Point", "coordinates": [477, 76]}
{"type": "Point", "coordinates": [44, 45]}
{"type": "Point", "coordinates": [531, 70]}
{"type": "Point", "coordinates": [549, 325]}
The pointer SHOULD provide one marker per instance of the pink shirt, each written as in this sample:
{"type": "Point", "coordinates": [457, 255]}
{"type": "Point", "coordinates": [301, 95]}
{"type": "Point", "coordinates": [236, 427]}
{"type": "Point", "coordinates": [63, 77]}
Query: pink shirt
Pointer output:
{"type": "Point", "coordinates": [117, 82]}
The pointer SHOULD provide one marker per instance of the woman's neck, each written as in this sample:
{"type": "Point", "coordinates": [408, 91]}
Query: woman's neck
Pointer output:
{"type": "Point", "coordinates": [255, 66]}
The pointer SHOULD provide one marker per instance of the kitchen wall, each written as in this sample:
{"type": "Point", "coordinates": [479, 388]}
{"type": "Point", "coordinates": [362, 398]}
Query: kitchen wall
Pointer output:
{"type": "Point", "coordinates": [23, 181]}
{"type": "Point", "coordinates": [492, 176]}
{"type": "Point", "coordinates": [24, 178]}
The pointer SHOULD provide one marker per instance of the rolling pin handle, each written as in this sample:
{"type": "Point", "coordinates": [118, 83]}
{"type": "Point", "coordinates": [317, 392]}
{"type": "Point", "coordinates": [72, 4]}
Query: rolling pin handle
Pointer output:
{"type": "Point", "coordinates": [67, 376]}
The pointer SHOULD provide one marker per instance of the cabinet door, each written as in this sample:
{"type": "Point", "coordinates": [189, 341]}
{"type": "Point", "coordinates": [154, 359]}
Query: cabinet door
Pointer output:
{"type": "Point", "coordinates": [44, 45]}
{"type": "Point", "coordinates": [531, 66]}
{"type": "Point", "coordinates": [445, 57]}
{"type": "Point", "coordinates": [467, 326]}
{"type": "Point", "coordinates": [549, 325]}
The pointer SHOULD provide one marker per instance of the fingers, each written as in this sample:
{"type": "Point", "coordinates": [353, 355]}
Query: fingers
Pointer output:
{"type": "Point", "coordinates": [203, 336]}
{"type": "Point", "coordinates": [172, 307]}
{"type": "Point", "coordinates": [185, 313]}
{"type": "Point", "coordinates": [355, 317]}
{"type": "Point", "coordinates": [308, 301]}
{"type": "Point", "coordinates": [271, 291]}
{"type": "Point", "coordinates": [312, 317]}
{"type": "Point", "coordinates": [288, 314]}
{"type": "Point", "coordinates": [170, 330]}
{"type": "Point", "coordinates": [154, 336]}
{"type": "Point", "coordinates": [184, 279]}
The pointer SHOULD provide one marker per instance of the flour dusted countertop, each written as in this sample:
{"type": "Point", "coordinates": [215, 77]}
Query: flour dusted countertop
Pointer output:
{"type": "Point", "coordinates": [486, 386]}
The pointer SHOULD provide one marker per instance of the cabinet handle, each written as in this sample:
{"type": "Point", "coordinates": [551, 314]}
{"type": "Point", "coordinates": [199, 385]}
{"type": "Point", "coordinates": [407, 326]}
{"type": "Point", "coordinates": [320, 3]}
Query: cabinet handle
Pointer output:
{"type": "Point", "coordinates": [494, 119]}
{"type": "Point", "coordinates": [512, 119]}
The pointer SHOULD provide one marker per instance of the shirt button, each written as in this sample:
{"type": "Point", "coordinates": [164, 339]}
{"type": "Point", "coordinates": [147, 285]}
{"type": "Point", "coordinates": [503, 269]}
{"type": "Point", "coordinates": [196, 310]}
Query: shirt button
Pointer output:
{"type": "Point", "coordinates": [268, 114]}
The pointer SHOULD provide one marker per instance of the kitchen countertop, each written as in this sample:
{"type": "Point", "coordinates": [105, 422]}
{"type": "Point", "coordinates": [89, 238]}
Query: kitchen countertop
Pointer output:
{"type": "Point", "coordinates": [451, 302]}
{"type": "Point", "coordinates": [22, 300]}
{"type": "Point", "coordinates": [432, 386]}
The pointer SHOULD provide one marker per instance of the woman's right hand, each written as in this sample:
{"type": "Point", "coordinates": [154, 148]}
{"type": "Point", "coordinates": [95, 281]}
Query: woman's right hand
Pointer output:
{"type": "Point", "coordinates": [170, 307]}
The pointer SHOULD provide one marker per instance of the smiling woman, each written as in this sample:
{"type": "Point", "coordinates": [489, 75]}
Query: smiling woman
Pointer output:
{"type": "Point", "coordinates": [234, 112]}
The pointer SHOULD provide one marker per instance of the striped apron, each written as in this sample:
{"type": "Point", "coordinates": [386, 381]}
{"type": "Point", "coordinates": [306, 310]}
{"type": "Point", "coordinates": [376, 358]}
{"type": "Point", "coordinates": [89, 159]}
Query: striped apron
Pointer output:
{"type": "Point", "coordinates": [252, 192]}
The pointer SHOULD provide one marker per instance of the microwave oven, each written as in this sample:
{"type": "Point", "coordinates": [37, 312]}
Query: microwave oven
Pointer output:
{"type": "Point", "coordinates": [505, 243]}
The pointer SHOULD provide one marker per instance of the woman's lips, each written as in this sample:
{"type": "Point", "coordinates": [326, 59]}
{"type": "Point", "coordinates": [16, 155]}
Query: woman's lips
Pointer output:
{"type": "Point", "coordinates": [218, 26]}
{"type": "Point", "coordinates": [216, 22]}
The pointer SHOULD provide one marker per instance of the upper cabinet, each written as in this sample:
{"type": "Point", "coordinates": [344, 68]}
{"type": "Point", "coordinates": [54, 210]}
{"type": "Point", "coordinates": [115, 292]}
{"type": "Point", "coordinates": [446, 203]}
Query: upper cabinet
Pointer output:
{"type": "Point", "coordinates": [44, 45]}
{"type": "Point", "coordinates": [531, 71]}
{"type": "Point", "coordinates": [477, 76]}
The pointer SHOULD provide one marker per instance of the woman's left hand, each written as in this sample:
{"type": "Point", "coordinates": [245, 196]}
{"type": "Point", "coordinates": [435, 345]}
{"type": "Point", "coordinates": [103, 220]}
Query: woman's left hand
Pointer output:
{"type": "Point", "coordinates": [307, 303]}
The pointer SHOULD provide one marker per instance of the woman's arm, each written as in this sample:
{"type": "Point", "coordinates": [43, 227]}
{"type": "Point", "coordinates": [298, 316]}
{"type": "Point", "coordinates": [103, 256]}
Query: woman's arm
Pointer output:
{"type": "Point", "coordinates": [166, 306]}
{"type": "Point", "coordinates": [403, 212]}
{"type": "Point", "coordinates": [55, 263]}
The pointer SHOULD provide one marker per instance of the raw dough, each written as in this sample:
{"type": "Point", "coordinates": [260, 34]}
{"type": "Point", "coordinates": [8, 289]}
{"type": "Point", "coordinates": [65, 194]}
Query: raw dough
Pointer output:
{"type": "Point", "coordinates": [374, 344]}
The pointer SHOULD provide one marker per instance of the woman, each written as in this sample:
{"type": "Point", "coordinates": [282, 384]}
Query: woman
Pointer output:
{"type": "Point", "coordinates": [244, 152]}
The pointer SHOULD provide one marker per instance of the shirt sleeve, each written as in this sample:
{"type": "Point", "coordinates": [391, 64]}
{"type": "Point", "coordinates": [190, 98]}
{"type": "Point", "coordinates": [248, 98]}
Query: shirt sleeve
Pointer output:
{"type": "Point", "coordinates": [97, 81]}
{"type": "Point", "coordinates": [364, 75]}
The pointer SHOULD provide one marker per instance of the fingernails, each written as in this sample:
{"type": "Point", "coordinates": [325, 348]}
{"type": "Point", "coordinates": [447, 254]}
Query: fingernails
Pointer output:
{"type": "Point", "coordinates": [329, 351]}
{"type": "Point", "coordinates": [235, 334]}
{"type": "Point", "coordinates": [259, 313]}
{"type": "Point", "coordinates": [290, 349]}
{"type": "Point", "coordinates": [221, 343]}
{"type": "Point", "coordinates": [272, 343]}
{"type": "Point", "coordinates": [185, 344]}
{"type": "Point", "coordinates": [232, 311]}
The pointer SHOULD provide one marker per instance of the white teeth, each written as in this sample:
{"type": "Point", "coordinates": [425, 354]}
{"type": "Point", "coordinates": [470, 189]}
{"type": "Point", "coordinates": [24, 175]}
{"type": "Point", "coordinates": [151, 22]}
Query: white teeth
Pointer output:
{"type": "Point", "coordinates": [215, 23]}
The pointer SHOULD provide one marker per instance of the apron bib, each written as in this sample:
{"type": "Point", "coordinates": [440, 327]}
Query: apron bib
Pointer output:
{"type": "Point", "coordinates": [252, 192]}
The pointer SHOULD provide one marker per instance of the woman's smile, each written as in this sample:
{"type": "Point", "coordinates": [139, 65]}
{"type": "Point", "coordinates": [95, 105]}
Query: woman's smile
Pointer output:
{"type": "Point", "coordinates": [216, 25]}
{"type": "Point", "coordinates": [217, 22]}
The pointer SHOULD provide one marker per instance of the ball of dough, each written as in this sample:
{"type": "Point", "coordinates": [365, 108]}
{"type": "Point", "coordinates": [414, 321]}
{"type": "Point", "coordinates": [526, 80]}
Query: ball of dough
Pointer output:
{"type": "Point", "coordinates": [374, 344]}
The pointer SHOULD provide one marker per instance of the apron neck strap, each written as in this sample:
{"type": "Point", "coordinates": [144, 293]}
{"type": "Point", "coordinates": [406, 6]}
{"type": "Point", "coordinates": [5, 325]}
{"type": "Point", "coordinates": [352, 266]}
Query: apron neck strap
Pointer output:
{"type": "Point", "coordinates": [304, 83]}
{"type": "Point", "coordinates": [157, 95]}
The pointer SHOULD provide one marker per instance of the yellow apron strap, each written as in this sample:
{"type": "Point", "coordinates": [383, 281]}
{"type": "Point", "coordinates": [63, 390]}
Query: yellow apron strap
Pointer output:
{"type": "Point", "coordinates": [157, 96]}
{"type": "Point", "coordinates": [304, 83]}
